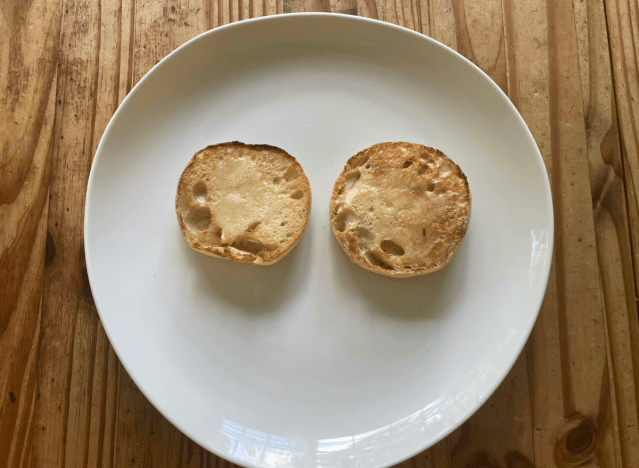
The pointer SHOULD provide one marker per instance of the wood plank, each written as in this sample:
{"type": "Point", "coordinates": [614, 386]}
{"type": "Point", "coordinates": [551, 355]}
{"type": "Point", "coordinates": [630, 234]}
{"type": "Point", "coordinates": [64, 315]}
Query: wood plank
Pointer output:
{"type": "Point", "coordinates": [91, 421]}
{"type": "Point", "coordinates": [27, 452]}
{"type": "Point", "coordinates": [68, 314]}
{"type": "Point", "coordinates": [348, 7]}
{"type": "Point", "coordinates": [441, 22]}
{"type": "Point", "coordinates": [82, 429]}
{"type": "Point", "coordinates": [594, 66]}
{"type": "Point", "coordinates": [95, 368]}
{"type": "Point", "coordinates": [474, 29]}
{"type": "Point", "coordinates": [567, 354]}
{"type": "Point", "coordinates": [234, 11]}
{"type": "Point", "coordinates": [102, 424]}
{"type": "Point", "coordinates": [221, 12]}
{"type": "Point", "coordinates": [23, 429]}
{"type": "Point", "coordinates": [621, 21]}
{"type": "Point", "coordinates": [161, 28]}
{"type": "Point", "coordinates": [368, 9]}
{"type": "Point", "coordinates": [27, 106]}
{"type": "Point", "coordinates": [300, 6]}
{"type": "Point", "coordinates": [125, 57]}
{"type": "Point", "coordinates": [622, 18]}
{"type": "Point", "coordinates": [256, 8]}
{"type": "Point", "coordinates": [611, 224]}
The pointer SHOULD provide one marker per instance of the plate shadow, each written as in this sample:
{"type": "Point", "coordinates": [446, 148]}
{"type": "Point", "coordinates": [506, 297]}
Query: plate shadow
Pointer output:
{"type": "Point", "coordinates": [415, 298]}
{"type": "Point", "coordinates": [252, 288]}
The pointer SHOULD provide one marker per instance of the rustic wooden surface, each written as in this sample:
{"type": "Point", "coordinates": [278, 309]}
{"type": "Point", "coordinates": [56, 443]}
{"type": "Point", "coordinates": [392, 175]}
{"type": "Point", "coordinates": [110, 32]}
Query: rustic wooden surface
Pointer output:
{"type": "Point", "coordinates": [570, 66]}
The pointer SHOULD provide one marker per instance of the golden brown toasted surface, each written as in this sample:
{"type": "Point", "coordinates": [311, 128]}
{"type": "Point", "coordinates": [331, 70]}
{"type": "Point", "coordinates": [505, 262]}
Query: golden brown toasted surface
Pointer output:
{"type": "Point", "coordinates": [247, 203]}
{"type": "Point", "coordinates": [400, 209]}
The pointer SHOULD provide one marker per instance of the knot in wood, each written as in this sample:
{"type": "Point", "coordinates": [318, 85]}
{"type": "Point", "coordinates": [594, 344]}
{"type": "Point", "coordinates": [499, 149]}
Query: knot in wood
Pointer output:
{"type": "Point", "coordinates": [576, 442]}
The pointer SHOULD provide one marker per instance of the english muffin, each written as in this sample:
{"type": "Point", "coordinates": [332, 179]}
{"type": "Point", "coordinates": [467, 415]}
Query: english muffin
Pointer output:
{"type": "Point", "coordinates": [246, 203]}
{"type": "Point", "coordinates": [400, 209]}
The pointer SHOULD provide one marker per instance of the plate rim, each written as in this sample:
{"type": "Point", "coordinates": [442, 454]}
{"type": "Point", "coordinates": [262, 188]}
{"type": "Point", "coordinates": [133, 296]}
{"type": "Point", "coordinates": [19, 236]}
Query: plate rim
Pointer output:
{"type": "Point", "coordinates": [547, 192]}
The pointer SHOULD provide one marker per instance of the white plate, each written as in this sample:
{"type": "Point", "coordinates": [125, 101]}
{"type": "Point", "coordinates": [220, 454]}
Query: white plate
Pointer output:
{"type": "Point", "coordinates": [314, 361]}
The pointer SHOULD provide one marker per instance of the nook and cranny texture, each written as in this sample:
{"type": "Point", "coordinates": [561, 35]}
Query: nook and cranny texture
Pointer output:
{"type": "Point", "coordinates": [400, 209]}
{"type": "Point", "coordinates": [246, 203]}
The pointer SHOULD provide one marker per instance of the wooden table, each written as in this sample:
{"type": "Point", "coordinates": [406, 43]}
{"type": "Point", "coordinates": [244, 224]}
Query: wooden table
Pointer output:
{"type": "Point", "coordinates": [570, 67]}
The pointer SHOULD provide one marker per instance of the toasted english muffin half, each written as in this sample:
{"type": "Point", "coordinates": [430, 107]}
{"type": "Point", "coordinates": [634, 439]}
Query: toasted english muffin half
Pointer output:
{"type": "Point", "coordinates": [246, 203]}
{"type": "Point", "coordinates": [400, 209]}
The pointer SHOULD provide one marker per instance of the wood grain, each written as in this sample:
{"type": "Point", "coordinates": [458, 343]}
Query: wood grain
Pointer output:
{"type": "Point", "coordinates": [572, 316]}
{"type": "Point", "coordinates": [611, 223]}
{"type": "Point", "coordinates": [348, 7]}
{"type": "Point", "coordinates": [569, 66]}
{"type": "Point", "coordinates": [528, 88]}
{"type": "Point", "coordinates": [621, 22]}
{"type": "Point", "coordinates": [69, 318]}
{"type": "Point", "coordinates": [27, 106]}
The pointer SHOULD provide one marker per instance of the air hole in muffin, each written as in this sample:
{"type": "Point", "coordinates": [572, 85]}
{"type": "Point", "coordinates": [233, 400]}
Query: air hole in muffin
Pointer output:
{"type": "Point", "coordinates": [351, 179]}
{"type": "Point", "coordinates": [291, 173]}
{"type": "Point", "coordinates": [277, 180]}
{"type": "Point", "coordinates": [407, 164]}
{"type": "Point", "coordinates": [283, 223]}
{"type": "Point", "coordinates": [430, 185]}
{"type": "Point", "coordinates": [199, 218]}
{"type": "Point", "coordinates": [362, 160]}
{"type": "Point", "coordinates": [199, 191]}
{"type": "Point", "coordinates": [392, 248]}
{"type": "Point", "coordinates": [444, 168]}
{"type": "Point", "coordinates": [343, 219]}
{"type": "Point", "coordinates": [423, 168]}
{"type": "Point", "coordinates": [297, 195]}
{"type": "Point", "coordinates": [375, 260]}
{"type": "Point", "coordinates": [248, 245]}
{"type": "Point", "coordinates": [212, 236]}
{"type": "Point", "coordinates": [271, 247]}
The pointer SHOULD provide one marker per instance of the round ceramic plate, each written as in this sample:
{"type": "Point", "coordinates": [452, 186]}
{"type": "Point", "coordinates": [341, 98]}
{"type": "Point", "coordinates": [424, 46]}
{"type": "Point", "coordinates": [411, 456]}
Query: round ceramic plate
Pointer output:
{"type": "Point", "coordinates": [314, 361]}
